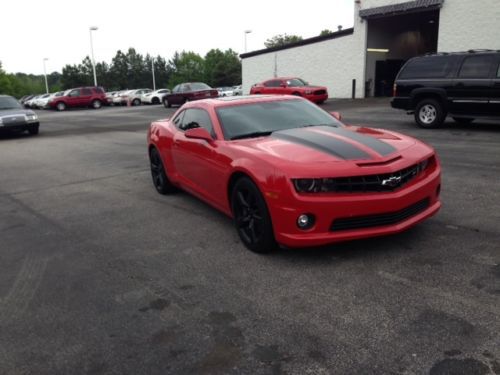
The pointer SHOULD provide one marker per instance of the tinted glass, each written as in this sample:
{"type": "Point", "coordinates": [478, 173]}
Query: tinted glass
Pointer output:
{"type": "Point", "coordinates": [86, 92]}
{"type": "Point", "coordinates": [296, 82]}
{"type": "Point", "coordinates": [428, 67]}
{"type": "Point", "coordinates": [8, 102]}
{"type": "Point", "coordinates": [476, 67]}
{"type": "Point", "coordinates": [271, 116]}
{"type": "Point", "coordinates": [275, 83]}
{"type": "Point", "coordinates": [196, 118]}
{"type": "Point", "coordinates": [198, 86]}
{"type": "Point", "coordinates": [176, 88]}
{"type": "Point", "coordinates": [74, 93]}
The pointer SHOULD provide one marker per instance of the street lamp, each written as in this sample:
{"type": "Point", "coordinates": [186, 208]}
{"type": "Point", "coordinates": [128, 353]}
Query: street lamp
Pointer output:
{"type": "Point", "coordinates": [93, 28]}
{"type": "Point", "coordinates": [45, 75]}
{"type": "Point", "coordinates": [153, 70]}
{"type": "Point", "coordinates": [246, 33]}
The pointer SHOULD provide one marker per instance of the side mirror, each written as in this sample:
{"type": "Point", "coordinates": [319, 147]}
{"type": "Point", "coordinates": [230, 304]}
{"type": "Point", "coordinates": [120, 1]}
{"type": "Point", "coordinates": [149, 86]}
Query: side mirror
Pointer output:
{"type": "Point", "coordinates": [199, 133]}
{"type": "Point", "coordinates": [336, 115]}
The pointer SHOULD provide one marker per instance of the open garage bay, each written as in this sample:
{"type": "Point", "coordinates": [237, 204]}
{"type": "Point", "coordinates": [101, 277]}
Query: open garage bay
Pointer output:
{"type": "Point", "coordinates": [101, 275]}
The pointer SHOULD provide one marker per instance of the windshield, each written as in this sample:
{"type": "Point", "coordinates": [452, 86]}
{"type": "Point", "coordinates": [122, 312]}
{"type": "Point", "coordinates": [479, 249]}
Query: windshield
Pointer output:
{"type": "Point", "coordinates": [8, 102]}
{"type": "Point", "coordinates": [256, 119]}
{"type": "Point", "coordinates": [296, 82]}
{"type": "Point", "coordinates": [198, 86]}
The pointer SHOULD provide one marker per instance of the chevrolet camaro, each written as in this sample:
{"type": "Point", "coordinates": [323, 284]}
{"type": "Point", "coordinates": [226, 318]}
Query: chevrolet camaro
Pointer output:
{"type": "Point", "coordinates": [292, 174]}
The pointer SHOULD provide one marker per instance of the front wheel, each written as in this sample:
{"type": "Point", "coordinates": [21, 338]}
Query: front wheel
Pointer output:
{"type": "Point", "coordinates": [155, 100]}
{"type": "Point", "coordinates": [429, 114]}
{"type": "Point", "coordinates": [61, 106]}
{"type": "Point", "coordinates": [160, 179]}
{"type": "Point", "coordinates": [251, 217]}
{"type": "Point", "coordinates": [136, 102]}
{"type": "Point", "coordinates": [166, 103]}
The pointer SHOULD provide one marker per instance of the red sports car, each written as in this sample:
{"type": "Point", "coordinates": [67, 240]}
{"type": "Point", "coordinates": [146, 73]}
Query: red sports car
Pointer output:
{"type": "Point", "coordinates": [291, 173]}
{"type": "Point", "coordinates": [291, 86]}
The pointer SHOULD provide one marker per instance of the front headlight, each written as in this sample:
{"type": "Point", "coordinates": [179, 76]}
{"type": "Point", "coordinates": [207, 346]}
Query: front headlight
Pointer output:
{"type": "Point", "coordinates": [309, 92]}
{"type": "Point", "coordinates": [31, 117]}
{"type": "Point", "coordinates": [314, 185]}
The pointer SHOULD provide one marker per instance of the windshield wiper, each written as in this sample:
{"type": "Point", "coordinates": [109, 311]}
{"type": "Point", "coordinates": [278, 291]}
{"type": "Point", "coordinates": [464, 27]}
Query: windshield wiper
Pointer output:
{"type": "Point", "coordinates": [251, 135]}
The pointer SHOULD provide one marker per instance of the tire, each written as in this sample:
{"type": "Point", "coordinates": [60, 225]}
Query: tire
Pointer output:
{"type": "Point", "coordinates": [136, 102]}
{"type": "Point", "coordinates": [251, 217]}
{"type": "Point", "coordinates": [96, 104]}
{"type": "Point", "coordinates": [155, 100]}
{"type": "Point", "coordinates": [61, 106]}
{"type": "Point", "coordinates": [463, 120]}
{"type": "Point", "coordinates": [429, 114]}
{"type": "Point", "coordinates": [160, 179]}
{"type": "Point", "coordinates": [34, 129]}
{"type": "Point", "coordinates": [166, 103]}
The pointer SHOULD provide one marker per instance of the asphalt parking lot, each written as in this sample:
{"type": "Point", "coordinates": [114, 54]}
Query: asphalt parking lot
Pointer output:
{"type": "Point", "coordinates": [101, 275]}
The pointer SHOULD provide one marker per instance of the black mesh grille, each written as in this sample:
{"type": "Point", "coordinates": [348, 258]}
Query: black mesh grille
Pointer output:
{"type": "Point", "coordinates": [388, 218]}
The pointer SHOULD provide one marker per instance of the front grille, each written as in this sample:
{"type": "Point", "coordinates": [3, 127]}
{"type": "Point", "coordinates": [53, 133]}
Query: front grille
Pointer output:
{"type": "Point", "coordinates": [378, 220]}
{"type": "Point", "coordinates": [376, 182]}
{"type": "Point", "coordinates": [14, 120]}
{"type": "Point", "coordinates": [320, 92]}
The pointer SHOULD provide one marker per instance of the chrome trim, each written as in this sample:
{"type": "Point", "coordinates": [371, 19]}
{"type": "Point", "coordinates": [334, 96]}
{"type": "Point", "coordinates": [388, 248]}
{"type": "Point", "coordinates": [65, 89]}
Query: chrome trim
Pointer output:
{"type": "Point", "coordinates": [470, 101]}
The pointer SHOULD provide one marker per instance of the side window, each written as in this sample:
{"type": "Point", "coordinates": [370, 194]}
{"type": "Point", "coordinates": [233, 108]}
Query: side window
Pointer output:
{"type": "Point", "coordinates": [428, 67]}
{"type": "Point", "coordinates": [274, 83]}
{"type": "Point", "coordinates": [176, 88]}
{"type": "Point", "coordinates": [86, 92]}
{"type": "Point", "coordinates": [476, 67]}
{"type": "Point", "coordinates": [178, 119]}
{"type": "Point", "coordinates": [196, 118]}
{"type": "Point", "coordinates": [74, 93]}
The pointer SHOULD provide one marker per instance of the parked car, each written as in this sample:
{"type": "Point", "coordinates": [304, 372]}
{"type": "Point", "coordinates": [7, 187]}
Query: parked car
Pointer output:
{"type": "Point", "coordinates": [237, 90]}
{"type": "Point", "coordinates": [40, 101]}
{"type": "Point", "coordinates": [14, 118]}
{"type": "Point", "coordinates": [291, 86]}
{"type": "Point", "coordinates": [25, 98]}
{"type": "Point", "coordinates": [186, 92]}
{"type": "Point", "coordinates": [134, 96]}
{"type": "Point", "coordinates": [154, 97]}
{"type": "Point", "coordinates": [225, 91]}
{"type": "Point", "coordinates": [291, 173]}
{"type": "Point", "coordinates": [79, 97]}
{"type": "Point", "coordinates": [120, 97]}
{"type": "Point", "coordinates": [463, 85]}
{"type": "Point", "coordinates": [29, 103]}
{"type": "Point", "coordinates": [109, 96]}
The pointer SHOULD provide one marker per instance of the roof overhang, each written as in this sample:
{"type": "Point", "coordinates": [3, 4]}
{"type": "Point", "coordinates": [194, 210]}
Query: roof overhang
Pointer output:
{"type": "Point", "coordinates": [401, 8]}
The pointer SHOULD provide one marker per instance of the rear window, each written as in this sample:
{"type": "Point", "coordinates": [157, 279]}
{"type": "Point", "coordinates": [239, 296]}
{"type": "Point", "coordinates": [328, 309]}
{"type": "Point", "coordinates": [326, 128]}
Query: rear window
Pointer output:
{"type": "Point", "coordinates": [428, 67]}
{"type": "Point", "coordinates": [476, 67]}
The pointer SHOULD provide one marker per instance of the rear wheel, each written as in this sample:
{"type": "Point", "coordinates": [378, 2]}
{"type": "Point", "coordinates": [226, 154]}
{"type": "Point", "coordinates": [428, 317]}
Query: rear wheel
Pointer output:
{"type": "Point", "coordinates": [463, 120]}
{"type": "Point", "coordinates": [429, 114]}
{"type": "Point", "coordinates": [61, 106]}
{"type": "Point", "coordinates": [160, 179]}
{"type": "Point", "coordinates": [155, 100]}
{"type": "Point", "coordinates": [34, 129]}
{"type": "Point", "coordinates": [251, 217]}
{"type": "Point", "coordinates": [166, 103]}
{"type": "Point", "coordinates": [96, 104]}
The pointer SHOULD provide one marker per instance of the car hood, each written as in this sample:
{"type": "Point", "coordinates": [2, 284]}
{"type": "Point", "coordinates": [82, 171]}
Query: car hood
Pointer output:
{"type": "Point", "coordinates": [17, 111]}
{"type": "Point", "coordinates": [314, 147]}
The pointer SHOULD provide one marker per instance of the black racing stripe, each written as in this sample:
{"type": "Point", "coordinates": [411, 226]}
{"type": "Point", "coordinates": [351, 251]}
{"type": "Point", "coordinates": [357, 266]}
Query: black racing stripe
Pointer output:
{"type": "Point", "coordinates": [320, 142]}
{"type": "Point", "coordinates": [376, 145]}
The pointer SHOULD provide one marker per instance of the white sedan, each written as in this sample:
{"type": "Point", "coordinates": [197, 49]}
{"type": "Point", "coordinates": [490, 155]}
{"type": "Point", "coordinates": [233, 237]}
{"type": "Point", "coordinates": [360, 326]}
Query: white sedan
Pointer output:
{"type": "Point", "coordinates": [154, 97]}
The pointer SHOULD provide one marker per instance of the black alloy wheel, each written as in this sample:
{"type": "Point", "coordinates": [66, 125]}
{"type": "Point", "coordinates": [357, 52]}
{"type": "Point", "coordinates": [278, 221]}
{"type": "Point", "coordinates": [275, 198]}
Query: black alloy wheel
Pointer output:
{"type": "Point", "coordinates": [251, 217]}
{"type": "Point", "coordinates": [160, 179]}
{"type": "Point", "coordinates": [155, 100]}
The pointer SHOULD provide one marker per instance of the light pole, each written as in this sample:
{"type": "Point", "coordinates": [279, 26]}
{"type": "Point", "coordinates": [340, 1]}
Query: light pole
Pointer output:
{"type": "Point", "coordinates": [246, 33]}
{"type": "Point", "coordinates": [93, 28]}
{"type": "Point", "coordinates": [153, 70]}
{"type": "Point", "coordinates": [45, 74]}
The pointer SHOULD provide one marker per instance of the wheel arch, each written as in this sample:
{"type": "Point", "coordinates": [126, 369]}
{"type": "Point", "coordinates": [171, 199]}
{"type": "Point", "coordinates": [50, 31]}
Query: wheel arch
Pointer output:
{"type": "Point", "coordinates": [421, 94]}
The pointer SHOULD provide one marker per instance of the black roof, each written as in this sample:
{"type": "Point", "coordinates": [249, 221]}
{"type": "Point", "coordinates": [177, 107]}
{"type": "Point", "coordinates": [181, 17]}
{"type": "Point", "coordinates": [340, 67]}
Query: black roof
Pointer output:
{"type": "Point", "coordinates": [303, 42]}
{"type": "Point", "coordinates": [408, 7]}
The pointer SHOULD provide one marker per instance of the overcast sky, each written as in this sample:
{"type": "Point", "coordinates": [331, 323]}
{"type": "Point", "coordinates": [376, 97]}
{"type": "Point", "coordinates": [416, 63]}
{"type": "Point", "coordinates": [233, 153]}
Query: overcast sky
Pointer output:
{"type": "Point", "coordinates": [59, 29]}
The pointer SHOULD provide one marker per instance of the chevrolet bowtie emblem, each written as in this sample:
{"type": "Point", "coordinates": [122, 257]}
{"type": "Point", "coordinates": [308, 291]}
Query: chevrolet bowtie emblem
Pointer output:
{"type": "Point", "coordinates": [392, 181]}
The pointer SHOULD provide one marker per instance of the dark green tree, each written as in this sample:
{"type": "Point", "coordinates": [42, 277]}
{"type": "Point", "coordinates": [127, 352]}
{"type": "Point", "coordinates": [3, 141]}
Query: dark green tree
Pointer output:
{"type": "Point", "coordinates": [281, 40]}
{"type": "Point", "coordinates": [186, 67]}
{"type": "Point", "coordinates": [325, 32]}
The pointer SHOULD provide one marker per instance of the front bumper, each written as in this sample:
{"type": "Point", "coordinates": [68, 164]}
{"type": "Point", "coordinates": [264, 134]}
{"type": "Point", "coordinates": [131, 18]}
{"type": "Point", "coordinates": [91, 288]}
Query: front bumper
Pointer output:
{"type": "Point", "coordinates": [328, 208]}
{"type": "Point", "coordinates": [401, 103]}
{"type": "Point", "coordinates": [18, 127]}
{"type": "Point", "coordinates": [317, 98]}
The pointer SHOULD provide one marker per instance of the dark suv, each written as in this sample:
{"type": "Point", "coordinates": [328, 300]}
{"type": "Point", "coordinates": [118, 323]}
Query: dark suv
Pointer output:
{"type": "Point", "coordinates": [79, 97]}
{"type": "Point", "coordinates": [464, 85]}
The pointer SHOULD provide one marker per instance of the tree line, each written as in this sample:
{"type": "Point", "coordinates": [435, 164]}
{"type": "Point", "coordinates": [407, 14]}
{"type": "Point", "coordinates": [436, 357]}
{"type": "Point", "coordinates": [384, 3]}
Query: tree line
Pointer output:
{"type": "Point", "coordinates": [129, 70]}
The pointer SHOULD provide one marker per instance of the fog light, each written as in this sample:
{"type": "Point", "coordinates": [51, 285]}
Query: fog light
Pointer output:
{"type": "Point", "coordinates": [305, 221]}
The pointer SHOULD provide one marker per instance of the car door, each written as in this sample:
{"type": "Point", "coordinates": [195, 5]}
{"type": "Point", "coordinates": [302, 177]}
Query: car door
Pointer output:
{"type": "Point", "coordinates": [177, 98]}
{"type": "Point", "coordinates": [73, 98]}
{"type": "Point", "coordinates": [196, 160]}
{"type": "Point", "coordinates": [472, 87]}
{"type": "Point", "coordinates": [272, 86]}
{"type": "Point", "coordinates": [85, 97]}
{"type": "Point", "coordinates": [495, 91]}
